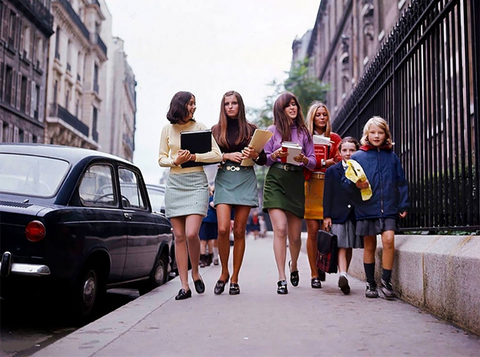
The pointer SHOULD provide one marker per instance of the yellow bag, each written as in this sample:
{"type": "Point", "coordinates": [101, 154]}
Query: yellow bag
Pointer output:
{"type": "Point", "coordinates": [355, 173]}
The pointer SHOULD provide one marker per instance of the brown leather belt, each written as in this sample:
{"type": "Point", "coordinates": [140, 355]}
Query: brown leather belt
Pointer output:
{"type": "Point", "coordinates": [318, 175]}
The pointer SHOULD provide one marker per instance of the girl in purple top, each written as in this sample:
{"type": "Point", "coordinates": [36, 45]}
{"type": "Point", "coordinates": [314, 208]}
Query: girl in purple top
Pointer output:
{"type": "Point", "coordinates": [284, 195]}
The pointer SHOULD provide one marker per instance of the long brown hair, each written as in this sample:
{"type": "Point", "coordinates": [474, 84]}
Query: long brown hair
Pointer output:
{"type": "Point", "coordinates": [245, 129]}
{"type": "Point", "coordinates": [312, 110]}
{"type": "Point", "coordinates": [281, 121]}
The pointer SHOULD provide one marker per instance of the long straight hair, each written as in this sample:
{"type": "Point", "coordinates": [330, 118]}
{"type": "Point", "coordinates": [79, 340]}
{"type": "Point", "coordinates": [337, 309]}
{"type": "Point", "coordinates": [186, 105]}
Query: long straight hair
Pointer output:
{"type": "Point", "coordinates": [245, 129]}
{"type": "Point", "coordinates": [178, 107]}
{"type": "Point", "coordinates": [282, 122]}
{"type": "Point", "coordinates": [312, 110]}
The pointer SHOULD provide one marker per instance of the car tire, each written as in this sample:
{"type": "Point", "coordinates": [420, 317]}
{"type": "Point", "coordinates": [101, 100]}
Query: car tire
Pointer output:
{"type": "Point", "coordinates": [158, 275]}
{"type": "Point", "coordinates": [88, 292]}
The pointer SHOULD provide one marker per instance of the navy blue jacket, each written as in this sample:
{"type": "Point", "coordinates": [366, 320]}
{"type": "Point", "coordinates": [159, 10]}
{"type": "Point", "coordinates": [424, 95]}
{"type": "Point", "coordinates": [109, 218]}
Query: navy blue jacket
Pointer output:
{"type": "Point", "coordinates": [389, 186]}
{"type": "Point", "coordinates": [337, 202]}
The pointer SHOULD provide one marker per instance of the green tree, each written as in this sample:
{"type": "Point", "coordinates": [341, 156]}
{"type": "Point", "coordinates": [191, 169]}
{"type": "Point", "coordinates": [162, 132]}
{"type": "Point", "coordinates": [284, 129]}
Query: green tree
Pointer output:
{"type": "Point", "coordinates": [306, 87]}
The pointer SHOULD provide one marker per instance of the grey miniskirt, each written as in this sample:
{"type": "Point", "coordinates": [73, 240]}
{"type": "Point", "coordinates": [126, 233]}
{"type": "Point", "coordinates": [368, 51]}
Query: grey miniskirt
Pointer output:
{"type": "Point", "coordinates": [372, 227]}
{"type": "Point", "coordinates": [346, 236]}
{"type": "Point", "coordinates": [236, 185]}
{"type": "Point", "coordinates": [186, 194]}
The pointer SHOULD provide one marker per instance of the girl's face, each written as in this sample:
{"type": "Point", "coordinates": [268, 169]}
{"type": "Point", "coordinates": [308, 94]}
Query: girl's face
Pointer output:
{"type": "Point", "coordinates": [231, 106]}
{"type": "Point", "coordinates": [321, 118]}
{"type": "Point", "coordinates": [291, 110]}
{"type": "Point", "coordinates": [376, 136]}
{"type": "Point", "coordinates": [347, 150]}
{"type": "Point", "coordinates": [191, 107]}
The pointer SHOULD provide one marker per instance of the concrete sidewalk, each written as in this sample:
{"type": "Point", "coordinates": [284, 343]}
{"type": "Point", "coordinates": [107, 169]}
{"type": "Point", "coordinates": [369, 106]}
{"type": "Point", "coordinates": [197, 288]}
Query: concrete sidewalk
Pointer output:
{"type": "Point", "coordinates": [258, 322]}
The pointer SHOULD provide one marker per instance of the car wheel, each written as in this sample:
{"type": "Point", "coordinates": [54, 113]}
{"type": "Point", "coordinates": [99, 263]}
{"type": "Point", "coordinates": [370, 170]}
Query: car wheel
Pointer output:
{"type": "Point", "coordinates": [158, 275]}
{"type": "Point", "coordinates": [87, 292]}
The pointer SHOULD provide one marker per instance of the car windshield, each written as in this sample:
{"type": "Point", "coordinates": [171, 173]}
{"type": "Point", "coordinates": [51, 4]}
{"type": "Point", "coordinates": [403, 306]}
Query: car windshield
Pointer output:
{"type": "Point", "coordinates": [31, 175]}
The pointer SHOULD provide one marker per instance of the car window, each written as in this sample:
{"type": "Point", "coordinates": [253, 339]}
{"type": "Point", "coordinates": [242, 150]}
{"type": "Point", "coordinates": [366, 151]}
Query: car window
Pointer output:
{"type": "Point", "coordinates": [130, 189]}
{"type": "Point", "coordinates": [96, 187]}
{"type": "Point", "coordinates": [157, 199]}
{"type": "Point", "coordinates": [31, 175]}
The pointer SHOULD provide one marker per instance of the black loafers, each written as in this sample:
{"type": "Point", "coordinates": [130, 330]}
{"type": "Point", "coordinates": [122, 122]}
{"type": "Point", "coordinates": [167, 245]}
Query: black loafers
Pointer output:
{"type": "Point", "coordinates": [321, 274]}
{"type": "Point", "coordinates": [199, 286]}
{"type": "Point", "coordinates": [294, 278]}
{"type": "Point", "coordinates": [182, 294]}
{"type": "Point", "coordinates": [234, 289]}
{"type": "Point", "coordinates": [316, 283]}
{"type": "Point", "coordinates": [282, 287]}
{"type": "Point", "coordinates": [220, 286]}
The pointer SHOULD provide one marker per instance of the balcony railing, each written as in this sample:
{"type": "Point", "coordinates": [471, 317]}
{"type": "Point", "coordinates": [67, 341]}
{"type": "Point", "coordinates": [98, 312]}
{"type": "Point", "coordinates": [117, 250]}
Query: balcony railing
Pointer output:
{"type": "Point", "coordinates": [38, 11]}
{"type": "Point", "coordinates": [58, 111]}
{"type": "Point", "coordinates": [75, 18]}
{"type": "Point", "coordinates": [96, 39]}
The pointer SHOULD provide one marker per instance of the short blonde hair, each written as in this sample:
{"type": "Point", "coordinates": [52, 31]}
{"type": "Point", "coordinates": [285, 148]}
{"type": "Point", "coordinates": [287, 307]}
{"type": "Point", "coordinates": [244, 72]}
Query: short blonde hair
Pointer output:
{"type": "Point", "coordinates": [382, 124]}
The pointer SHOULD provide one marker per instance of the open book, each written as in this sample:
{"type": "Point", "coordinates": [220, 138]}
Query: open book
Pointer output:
{"type": "Point", "coordinates": [258, 141]}
{"type": "Point", "coordinates": [293, 150]}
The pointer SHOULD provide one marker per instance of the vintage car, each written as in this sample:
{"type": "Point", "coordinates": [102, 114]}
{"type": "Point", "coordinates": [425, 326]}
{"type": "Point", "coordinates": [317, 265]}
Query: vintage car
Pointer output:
{"type": "Point", "coordinates": [75, 222]}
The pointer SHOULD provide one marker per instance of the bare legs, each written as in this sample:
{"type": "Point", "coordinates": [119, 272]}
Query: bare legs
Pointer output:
{"type": "Point", "coordinates": [285, 223]}
{"type": "Point", "coordinates": [239, 225]}
{"type": "Point", "coordinates": [344, 259]}
{"type": "Point", "coordinates": [312, 228]}
{"type": "Point", "coordinates": [388, 253]}
{"type": "Point", "coordinates": [185, 229]}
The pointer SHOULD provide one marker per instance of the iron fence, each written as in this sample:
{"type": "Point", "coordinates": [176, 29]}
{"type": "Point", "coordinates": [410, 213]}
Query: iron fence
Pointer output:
{"type": "Point", "coordinates": [425, 82]}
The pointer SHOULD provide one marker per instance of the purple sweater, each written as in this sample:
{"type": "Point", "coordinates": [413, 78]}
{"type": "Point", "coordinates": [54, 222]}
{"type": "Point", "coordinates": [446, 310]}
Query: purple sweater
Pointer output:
{"type": "Point", "coordinates": [303, 140]}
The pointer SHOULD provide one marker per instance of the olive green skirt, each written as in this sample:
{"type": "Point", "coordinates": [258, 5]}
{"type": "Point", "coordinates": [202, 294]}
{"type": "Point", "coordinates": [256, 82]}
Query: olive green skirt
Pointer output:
{"type": "Point", "coordinates": [284, 190]}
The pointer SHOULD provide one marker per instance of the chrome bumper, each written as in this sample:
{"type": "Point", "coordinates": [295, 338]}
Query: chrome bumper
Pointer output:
{"type": "Point", "coordinates": [7, 267]}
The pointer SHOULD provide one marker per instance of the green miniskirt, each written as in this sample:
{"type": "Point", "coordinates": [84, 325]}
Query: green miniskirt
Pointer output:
{"type": "Point", "coordinates": [236, 185]}
{"type": "Point", "coordinates": [284, 190]}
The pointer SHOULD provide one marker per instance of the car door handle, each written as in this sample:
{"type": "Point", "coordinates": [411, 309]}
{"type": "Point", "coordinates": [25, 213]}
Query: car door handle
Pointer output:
{"type": "Point", "coordinates": [127, 215]}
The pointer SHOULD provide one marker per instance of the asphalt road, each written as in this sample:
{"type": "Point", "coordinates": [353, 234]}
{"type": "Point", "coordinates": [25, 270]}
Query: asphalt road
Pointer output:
{"type": "Point", "coordinates": [27, 327]}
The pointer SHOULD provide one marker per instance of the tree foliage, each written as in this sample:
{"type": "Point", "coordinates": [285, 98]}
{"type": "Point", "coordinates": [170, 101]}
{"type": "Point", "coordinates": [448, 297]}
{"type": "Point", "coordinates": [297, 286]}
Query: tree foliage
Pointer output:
{"type": "Point", "coordinates": [300, 82]}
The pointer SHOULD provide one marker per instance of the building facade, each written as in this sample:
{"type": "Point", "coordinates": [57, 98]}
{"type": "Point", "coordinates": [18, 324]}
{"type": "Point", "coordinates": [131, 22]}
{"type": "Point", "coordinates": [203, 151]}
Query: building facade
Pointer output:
{"type": "Point", "coordinates": [345, 38]}
{"type": "Point", "coordinates": [26, 26]}
{"type": "Point", "coordinates": [76, 74]}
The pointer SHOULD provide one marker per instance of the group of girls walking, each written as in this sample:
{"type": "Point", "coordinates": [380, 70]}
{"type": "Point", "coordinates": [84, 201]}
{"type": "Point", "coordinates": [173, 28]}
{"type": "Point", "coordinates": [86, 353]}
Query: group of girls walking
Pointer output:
{"type": "Point", "coordinates": [292, 192]}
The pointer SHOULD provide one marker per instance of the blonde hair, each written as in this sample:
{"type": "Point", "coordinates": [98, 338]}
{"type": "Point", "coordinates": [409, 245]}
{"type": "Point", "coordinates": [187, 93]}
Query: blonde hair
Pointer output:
{"type": "Point", "coordinates": [382, 124]}
{"type": "Point", "coordinates": [312, 110]}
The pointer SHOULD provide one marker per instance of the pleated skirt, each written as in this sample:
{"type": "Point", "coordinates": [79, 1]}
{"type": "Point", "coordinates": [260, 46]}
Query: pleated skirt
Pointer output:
{"type": "Point", "coordinates": [236, 187]}
{"type": "Point", "coordinates": [314, 197]}
{"type": "Point", "coordinates": [346, 235]}
{"type": "Point", "coordinates": [186, 194]}
{"type": "Point", "coordinates": [372, 227]}
{"type": "Point", "coordinates": [284, 190]}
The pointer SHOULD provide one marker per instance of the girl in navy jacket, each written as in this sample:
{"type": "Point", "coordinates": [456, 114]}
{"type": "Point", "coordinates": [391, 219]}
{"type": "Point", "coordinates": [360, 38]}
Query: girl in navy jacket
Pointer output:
{"type": "Point", "coordinates": [339, 213]}
{"type": "Point", "coordinates": [389, 201]}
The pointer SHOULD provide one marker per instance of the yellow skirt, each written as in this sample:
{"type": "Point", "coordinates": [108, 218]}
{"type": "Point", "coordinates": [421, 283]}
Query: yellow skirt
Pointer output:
{"type": "Point", "coordinates": [314, 196]}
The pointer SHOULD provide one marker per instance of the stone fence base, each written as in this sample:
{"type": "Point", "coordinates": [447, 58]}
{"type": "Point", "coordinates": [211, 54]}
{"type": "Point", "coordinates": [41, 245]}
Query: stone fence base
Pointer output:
{"type": "Point", "coordinates": [440, 274]}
